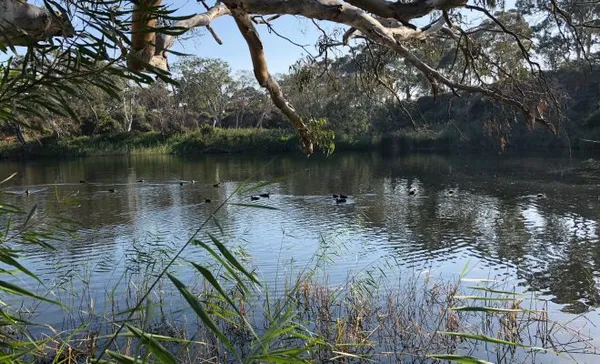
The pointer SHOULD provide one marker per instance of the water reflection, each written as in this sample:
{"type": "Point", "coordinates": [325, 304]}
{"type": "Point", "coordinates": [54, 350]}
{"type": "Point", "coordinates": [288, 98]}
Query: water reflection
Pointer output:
{"type": "Point", "coordinates": [484, 208]}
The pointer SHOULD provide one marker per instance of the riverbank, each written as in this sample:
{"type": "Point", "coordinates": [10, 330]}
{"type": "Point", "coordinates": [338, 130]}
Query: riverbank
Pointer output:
{"type": "Point", "coordinates": [203, 141]}
{"type": "Point", "coordinates": [269, 141]}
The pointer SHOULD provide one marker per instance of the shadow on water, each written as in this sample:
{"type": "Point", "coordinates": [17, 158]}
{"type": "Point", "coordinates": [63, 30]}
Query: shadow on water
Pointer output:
{"type": "Point", "coordinates": [508, 213]}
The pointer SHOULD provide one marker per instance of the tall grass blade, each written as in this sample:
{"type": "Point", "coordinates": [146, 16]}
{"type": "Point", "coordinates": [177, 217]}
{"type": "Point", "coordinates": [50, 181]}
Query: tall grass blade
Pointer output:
{"type": "Point", "coordinates": [461, 359]}
{"type": "Point", "coordinates": [7, 259]}
{"type": "Point", "coordinates": [153, 345]}
{"type": "Point", "coordinates": [14, 289]}
{"type": "Point", "coordinates": [491, 290]}
{"type": "Point", "coordinates": [197, 307]}
{"type": "Point", "coordinates": [262, 184]}
{"type": "Point", "coordinates": [254, 206]}
{"type": "Point", "coordinates": [224, 264]}
{"type": "Point", "coordinates": [234, 262]}
{"type": "Point", "coordinates": [492, 340]}
{"type": "Point", "coordinates": [485, 309]}
{"type": "Point", "coordinates": [211, 279]}
{"type": "Point", "coordinates": [8, 178]}
{"type": "Point", "coordinates": [30, 215]}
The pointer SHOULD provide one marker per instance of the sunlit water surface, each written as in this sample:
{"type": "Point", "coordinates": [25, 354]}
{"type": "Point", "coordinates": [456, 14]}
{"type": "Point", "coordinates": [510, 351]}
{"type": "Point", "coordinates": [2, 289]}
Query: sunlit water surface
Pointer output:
{"type": "Point", "coordinates": [514, 219]}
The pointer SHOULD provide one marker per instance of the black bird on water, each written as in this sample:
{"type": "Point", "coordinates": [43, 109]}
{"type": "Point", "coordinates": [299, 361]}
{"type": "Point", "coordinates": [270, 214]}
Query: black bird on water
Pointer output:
{"type": "Point", "coordinates": [340, 200]}
{"type": "Point", "coordinates": [335, 195]}
{"type": "Point", "coordinates": [451, 192]}
{"type": "Point", "coordinates": [412, 191]}
{"type": "Point", "coordinates": [141, 180]}
{"type": "Point", "coordinates": [216, 184]}
{"type": "Point", "coordinates": [266, 195]}
{"type": "Point", "coordinates": [112, 190]}
{"type": "Point", "coordinates": [82, 181]}
{"type": "Point", "coordinates": [254, 198]}
{"type": "Point", "coordinates": [27, 192]}
{"type": "Point", "coordinates": [208, 200]}
{"type": "Point", "coordinates": [181, 183]}
{"type": "Point", "coordinates": [343, 197]}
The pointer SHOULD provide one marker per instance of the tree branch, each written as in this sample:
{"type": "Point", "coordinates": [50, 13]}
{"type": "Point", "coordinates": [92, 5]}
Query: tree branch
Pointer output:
{"type": "Point", "coordinates": [165, 41]}
{"type": "Point", "coordinates": [265, 79]}
{"type": "Point", "coordinates": [22, 24]}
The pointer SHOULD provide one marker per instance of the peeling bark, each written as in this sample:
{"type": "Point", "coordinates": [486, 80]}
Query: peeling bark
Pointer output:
{"type": "Point", "coordinates": [23, 24]}
{"type": "Point", "coordinates": [155, 54]}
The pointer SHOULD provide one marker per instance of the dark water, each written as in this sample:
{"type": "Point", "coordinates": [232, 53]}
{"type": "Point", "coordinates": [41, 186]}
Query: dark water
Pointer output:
{"type": "Point", "coordinates": [484, 210]}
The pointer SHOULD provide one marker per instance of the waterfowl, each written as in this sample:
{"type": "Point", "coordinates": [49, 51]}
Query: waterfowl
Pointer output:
{"type": "Point", "coordinates": [540, 195]}
{"type": "Point", "coordinates": [112, 190]}
{"type": "Point", "coordinates": [27, 192]}
{"type": "Point", "coordinates": [412, 191]}
{"type": "Point", "coordinates": [82, 181]}
{"type": "Point", "coordinates": [451, 192]}
{"type": "Point", "coordinates": [208, 200]}
{"type": "Point", "coordinates": [343, 196]}
{"type": "Point", "coordinates": [335, 195]}
{"type": "Point", "coordinates": [216, 184]}
{"type": "Point", "coordinates": [340, 200]}
{"type": "Point", "coordinates": [266, 195]}
{"type": "Point", "coordinates": [141, 180]}
{"type": "Point", "coordinates": [181, 183]}
{"type": "Point", "coordinates": [254, 198]}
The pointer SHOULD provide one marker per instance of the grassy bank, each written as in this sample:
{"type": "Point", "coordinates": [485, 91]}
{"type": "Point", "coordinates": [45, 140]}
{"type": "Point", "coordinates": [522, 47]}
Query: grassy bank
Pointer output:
{"type": "Point", "coordinates": [208, 140]}
{"type": "Point", "coordinates": [203, 141]}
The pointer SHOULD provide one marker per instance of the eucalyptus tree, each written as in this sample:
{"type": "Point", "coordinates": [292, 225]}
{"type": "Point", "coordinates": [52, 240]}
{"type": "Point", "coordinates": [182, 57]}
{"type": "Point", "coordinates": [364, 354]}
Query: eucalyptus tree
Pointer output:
{"type": "Point", "coordinates": [387, 24]}
{"type": "Point", "coordinates": [564, 29]}
{"type": "Point", "coordinates": [205, 85]}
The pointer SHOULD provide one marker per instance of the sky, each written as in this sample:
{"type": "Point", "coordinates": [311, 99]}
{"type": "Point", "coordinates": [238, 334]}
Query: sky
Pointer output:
{"type": "Point", "coordinates": [281, 54]}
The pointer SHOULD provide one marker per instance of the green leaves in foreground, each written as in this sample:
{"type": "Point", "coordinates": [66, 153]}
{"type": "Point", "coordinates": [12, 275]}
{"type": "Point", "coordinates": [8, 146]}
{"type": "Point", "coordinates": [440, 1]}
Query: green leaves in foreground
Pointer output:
{"type": "Point", "coordinates": [196, 305]}
{"type": "Point", "coordinates": [490, 340]}
{"type": "Point", "coordinates": [16, 290]}
{"type": "Point", "coordinates": [459, 359]}
{"type": "Point", "coordinates": [162, 354]}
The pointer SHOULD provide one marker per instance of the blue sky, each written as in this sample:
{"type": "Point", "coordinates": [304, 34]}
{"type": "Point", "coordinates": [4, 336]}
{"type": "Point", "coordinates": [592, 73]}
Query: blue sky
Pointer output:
{"type": "Point", "coordinates": [280, 53]}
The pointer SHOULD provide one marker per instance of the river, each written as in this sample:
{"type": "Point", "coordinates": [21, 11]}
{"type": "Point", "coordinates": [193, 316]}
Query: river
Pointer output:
{"type": "Point", "coordinates": [513, 218]}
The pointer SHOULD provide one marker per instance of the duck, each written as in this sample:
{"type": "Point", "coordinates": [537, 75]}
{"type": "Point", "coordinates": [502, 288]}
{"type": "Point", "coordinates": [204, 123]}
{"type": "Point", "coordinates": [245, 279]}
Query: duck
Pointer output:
{"type": "Point", "coordinates": [540, 195]}
{"type": "Point", "coordinates": [254, 198]}
{"type": "Point", "coordinates": [336, 195]}
{"type": "Point", "coordinates": [27, 192]}
{"type": "Point", "coordinates": [208, 200]}
{"type": "Point", "coordinates": [141, 180]}
{"type": "Point", "coordinates": [82, 181]}
{"type": "Point", "coordinates": [340, 200]}
{"type": "Point", "coordinates": [342, 196]}
{"type": "Point", "coordinates": [265, 195]}
{"type": "Point", "coordinates": [412, 191]}
{"type": "Point", "coordinates": [216, 184]}
{"type": "Point", "coordinates": [112, 190]}
{"type": "Point", "coordinates": [181, 183]}
{"type": "Point", "coordinates": [451, 192]}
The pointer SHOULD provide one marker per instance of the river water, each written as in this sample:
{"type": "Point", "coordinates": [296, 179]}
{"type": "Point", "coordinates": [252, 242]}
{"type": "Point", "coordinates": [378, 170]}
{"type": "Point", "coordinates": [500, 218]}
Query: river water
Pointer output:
{"type": "Point", "coordinates": [517, 218]}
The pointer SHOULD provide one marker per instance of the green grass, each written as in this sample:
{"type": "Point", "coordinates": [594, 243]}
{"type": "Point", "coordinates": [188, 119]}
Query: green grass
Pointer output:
{"type": "Point", "coordinates": [205, 140]}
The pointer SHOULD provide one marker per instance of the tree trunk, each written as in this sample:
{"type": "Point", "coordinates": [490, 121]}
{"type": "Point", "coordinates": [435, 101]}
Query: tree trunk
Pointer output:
{"type": "Point", "coordinates": [25, 24]}
{"type": "Point", "coordinates": [19, 133]}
